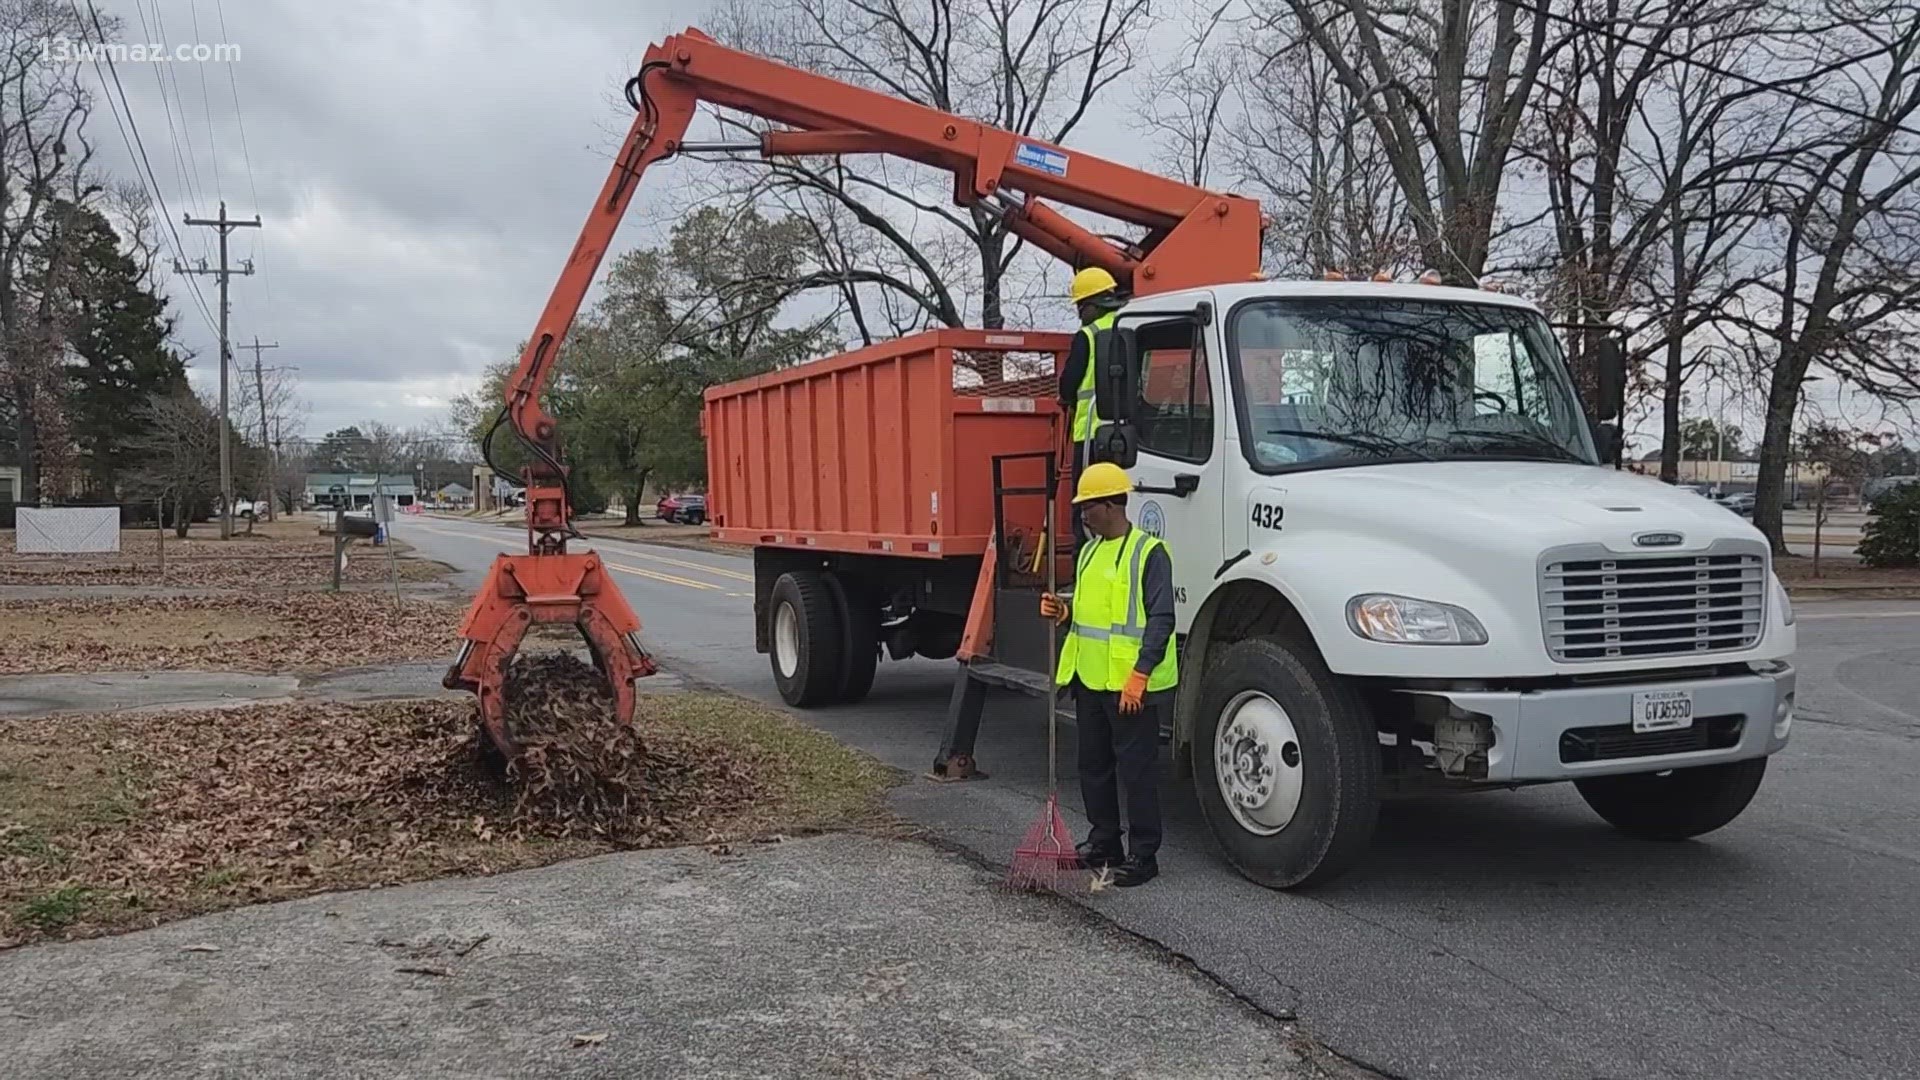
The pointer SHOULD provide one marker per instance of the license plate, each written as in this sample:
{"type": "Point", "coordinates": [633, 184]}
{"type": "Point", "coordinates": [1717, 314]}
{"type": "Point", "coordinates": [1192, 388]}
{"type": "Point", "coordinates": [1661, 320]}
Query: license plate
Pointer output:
{"type": "Point", "coordinates": [1662, 710]}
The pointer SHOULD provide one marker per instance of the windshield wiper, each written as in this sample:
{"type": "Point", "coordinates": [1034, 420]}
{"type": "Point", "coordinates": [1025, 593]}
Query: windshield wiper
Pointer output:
{"type": "Point", "coordinates": [1530, 439]}
{"type": "Point", "coordinates": [1370, 441]}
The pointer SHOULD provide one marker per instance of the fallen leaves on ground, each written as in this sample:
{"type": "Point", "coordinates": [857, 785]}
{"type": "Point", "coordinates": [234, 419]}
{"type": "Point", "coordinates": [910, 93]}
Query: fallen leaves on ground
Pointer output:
{"type": "Point", "coordinates": [319, 631]}
{"type": "Point", "coordinates": [582, 772]}
{"type": "Point", "coordinates": [1797, 573]}
{"type": "Point", "coordinates": [293, 559]}
{"type": "Point", "coordinates": [193, 811]}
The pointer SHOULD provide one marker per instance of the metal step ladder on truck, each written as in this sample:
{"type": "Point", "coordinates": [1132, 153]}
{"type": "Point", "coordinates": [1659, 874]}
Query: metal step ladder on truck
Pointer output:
{"type": "Point", "coordinates": [1401, 562]}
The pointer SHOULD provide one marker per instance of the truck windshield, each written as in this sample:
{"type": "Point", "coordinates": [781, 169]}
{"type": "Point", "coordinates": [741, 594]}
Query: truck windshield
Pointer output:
{"type": "Point", "coordinates": [1331, 382]}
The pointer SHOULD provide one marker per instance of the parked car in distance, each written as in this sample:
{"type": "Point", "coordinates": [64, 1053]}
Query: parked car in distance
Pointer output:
{"type": "Point", "coordinates": [682, 509]}
{"type": "Point", "coordinates": [1740, 502]}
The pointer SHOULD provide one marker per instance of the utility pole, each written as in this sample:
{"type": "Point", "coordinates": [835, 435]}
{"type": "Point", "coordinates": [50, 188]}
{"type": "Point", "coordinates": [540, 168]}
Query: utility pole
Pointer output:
{"type": "Point", "coordinates": [266, 443]}
{"type": "Point", "coordinates": [225, 225]}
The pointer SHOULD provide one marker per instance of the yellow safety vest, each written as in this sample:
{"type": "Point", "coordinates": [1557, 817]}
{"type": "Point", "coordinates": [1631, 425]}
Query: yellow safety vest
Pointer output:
{"type": "Point", "coordinates": [1086, 419]}
{"type": "Point", "coordinates": [1110, 617]}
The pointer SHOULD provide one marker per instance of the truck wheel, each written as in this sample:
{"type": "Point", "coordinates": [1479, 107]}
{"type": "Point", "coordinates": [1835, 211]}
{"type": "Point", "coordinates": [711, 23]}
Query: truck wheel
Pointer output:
{"type": "Point", "coordinates": [806, 635]}
{"type": "Point", "coordinates": [860, 646]}
{"type": "Point", "coordinates": [1677, 804]}
{"type": "Point", "coordinates": [1286, 764]}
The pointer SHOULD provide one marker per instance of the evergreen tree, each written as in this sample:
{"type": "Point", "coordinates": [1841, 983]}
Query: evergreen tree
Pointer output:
{"type": "Point", "coordinates": [120, 358]}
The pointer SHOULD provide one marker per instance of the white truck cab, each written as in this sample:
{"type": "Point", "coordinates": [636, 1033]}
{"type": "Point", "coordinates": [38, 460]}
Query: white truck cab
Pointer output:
{"type": "Point", "coordinates": [1401, 563]}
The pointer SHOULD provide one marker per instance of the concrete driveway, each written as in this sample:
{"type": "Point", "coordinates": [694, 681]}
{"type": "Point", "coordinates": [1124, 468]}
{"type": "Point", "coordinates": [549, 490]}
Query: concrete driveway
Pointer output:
{"type": "Point", "coordinates": [835, 956]}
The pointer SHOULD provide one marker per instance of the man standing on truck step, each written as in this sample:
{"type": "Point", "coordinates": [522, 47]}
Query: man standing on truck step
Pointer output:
{"type": "Point", "coordinates": [1122, 663]}
{"type": "Point", "coordinates": [1096, 296]}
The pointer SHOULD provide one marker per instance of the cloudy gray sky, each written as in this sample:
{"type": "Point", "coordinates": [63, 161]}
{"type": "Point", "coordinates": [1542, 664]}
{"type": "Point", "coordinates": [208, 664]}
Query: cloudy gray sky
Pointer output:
{"type": "Point", "coordinates": [421, 168]}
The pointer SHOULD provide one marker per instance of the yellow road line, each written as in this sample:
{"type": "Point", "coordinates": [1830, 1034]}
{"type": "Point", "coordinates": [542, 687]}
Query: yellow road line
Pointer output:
{"type": "Point", "coordinates": [668, 578]}
{"type": "Point", "coordinates": [734, 574]}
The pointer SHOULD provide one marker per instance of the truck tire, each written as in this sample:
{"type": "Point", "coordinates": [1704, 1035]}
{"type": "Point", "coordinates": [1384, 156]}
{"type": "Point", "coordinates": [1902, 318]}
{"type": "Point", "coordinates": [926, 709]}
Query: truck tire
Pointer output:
{"type": "Point", "coordinates": [1677, 804]}
{"type": "Point", "coordinates": [806, 637]}
{"type": "Point", "coordinates": [1286, 764]}
{"type": "Point", "coordinates": [860, 645]}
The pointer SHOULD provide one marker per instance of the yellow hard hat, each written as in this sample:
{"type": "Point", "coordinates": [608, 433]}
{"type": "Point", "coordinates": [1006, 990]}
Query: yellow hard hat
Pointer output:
{"type": "Point", "coordinates": [1102, 480]}
{"type": "Point", "coordinates": [1090, 283]}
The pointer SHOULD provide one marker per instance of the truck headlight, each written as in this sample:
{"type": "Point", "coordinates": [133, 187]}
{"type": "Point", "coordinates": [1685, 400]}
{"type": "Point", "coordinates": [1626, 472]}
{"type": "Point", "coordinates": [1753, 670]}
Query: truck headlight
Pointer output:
{"type": "Point", "coordinates": [1402, 620]}
{"type": "Point", "coordinates": [1780, 594]}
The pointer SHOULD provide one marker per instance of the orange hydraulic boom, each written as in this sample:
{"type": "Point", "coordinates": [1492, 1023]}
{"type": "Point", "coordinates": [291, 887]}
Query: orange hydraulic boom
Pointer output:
{"type": "Point", "coordinates": [1193, 237]}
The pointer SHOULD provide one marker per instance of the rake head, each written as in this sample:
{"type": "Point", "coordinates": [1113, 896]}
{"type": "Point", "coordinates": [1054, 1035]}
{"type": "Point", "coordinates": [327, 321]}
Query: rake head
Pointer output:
{"type": "Point", "coordinates": [1045, 859]}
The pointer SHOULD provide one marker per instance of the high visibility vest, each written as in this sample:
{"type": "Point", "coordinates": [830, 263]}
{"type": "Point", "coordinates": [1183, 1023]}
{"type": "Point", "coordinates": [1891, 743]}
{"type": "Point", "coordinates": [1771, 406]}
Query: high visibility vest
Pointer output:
{"type": "Point", "coordinates": [1086, 419]}
{"type": "Point", "coordinates": [1110, 618]}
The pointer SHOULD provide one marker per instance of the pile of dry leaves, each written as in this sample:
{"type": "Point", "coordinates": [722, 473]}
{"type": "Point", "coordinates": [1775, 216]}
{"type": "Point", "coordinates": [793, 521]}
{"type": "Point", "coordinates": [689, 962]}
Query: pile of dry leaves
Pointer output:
{"type": "Point", "coordinates": [309, 632]}
{"type": "Point", "coordinates": [208, 810]}
{"type": "Point", "coordinates": [577, 765]}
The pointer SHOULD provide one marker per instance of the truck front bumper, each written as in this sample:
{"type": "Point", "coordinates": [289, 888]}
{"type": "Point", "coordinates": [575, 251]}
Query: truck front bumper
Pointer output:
{"type": "Point", "coordinates": [1567, 733]}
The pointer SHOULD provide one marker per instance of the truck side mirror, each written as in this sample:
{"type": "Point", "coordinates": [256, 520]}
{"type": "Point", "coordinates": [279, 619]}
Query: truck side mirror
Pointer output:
{"type": "Point", "coordinates": [1116, 381]}
{"type": "Point", "coordinates": [1116, 374]}
{"type": "Point", "coordinates": [1611, 439]}
{"type": "Point", "coordinates": [1611, 367]}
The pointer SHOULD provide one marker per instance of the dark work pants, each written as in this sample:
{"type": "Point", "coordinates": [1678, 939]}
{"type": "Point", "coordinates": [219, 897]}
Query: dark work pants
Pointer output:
{"type": "Point", "coordinates": [1118, 751]}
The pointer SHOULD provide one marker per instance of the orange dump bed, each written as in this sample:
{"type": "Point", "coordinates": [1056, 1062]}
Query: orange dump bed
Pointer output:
{"type": "Point", "coordinates": [887, 450]}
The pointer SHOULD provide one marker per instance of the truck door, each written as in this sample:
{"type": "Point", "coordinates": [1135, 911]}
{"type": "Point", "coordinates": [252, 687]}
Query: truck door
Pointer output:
{"type": "Point", "coordinates": [1178, 474]}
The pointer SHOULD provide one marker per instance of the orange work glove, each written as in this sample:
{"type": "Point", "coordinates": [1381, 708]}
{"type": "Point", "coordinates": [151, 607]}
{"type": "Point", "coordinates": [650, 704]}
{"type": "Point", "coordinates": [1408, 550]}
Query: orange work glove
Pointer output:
{"type": "Point", "coordinates": [1132, 693]}
{"type": "Point", "coordinates": [1052, 607]}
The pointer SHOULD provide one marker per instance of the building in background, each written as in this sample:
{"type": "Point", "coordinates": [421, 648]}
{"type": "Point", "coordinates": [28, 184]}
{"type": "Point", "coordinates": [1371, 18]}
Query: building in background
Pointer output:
{"type": "Point", "coordinates": [354, 491]}
{"type": "Point", "coordinates": [9, 483]}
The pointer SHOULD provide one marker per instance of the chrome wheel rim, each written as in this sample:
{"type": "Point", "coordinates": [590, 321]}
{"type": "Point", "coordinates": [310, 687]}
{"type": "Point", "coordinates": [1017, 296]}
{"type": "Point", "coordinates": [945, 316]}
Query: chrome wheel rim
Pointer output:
{"type": "Point", "coordinates": [786, 639]}
{"type": "Point", "coordinates": [1258, 763]}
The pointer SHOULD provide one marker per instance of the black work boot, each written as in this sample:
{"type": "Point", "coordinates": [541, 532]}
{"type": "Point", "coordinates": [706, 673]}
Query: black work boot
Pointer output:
{"type": "Point", "coordinates": [1094, 858]}
{"type": "Point", "coordinates": [1137, 870]}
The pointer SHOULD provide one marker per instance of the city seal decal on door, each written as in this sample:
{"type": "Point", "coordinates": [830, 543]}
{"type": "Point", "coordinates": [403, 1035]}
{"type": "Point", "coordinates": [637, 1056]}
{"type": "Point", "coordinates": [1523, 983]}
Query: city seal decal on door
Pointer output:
{"type": "Point", "coordinates": [1153, 520]}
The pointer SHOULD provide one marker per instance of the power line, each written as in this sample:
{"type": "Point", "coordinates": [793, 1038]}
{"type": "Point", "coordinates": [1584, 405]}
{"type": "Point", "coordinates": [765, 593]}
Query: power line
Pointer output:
{"type": "Point", "coordinates": [166, 106]}
{"type": "Point", "coordinates": [206, 103]}
{"type": "Point", "coordinates": [180, 249]}
{"type": "Point", "coordinates": [198, 191]}
{"type": "Point", "coordinates": [266, 280]}
{"type": "Point", "coordinates": [1780, 87]}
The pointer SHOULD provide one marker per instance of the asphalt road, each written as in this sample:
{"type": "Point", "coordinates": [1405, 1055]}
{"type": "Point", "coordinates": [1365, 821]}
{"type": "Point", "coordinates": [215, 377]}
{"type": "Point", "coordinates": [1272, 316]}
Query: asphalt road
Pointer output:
{"type": "Point", "coordinates": [1506, 934]}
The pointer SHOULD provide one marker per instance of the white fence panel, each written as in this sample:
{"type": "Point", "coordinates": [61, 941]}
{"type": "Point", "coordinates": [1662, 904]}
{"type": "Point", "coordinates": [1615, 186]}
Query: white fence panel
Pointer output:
{"type": "Point", "coordinates": [66, 530]}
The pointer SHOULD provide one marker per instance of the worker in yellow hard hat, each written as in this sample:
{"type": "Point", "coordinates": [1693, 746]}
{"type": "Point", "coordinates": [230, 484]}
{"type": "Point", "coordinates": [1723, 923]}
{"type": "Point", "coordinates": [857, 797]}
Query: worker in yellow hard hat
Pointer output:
{"type": "Point", "coordinates": [1121, 660]}
{"type": "Point", "coordinates": [1096, 297]}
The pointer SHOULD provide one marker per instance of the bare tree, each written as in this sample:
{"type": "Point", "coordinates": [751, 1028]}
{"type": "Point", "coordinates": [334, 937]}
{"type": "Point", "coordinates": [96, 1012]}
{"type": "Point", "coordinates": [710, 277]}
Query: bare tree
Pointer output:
{"type": "Point", "coordinates": [1847, 295]}
{"type": "Point", "coordinates": [1839, 458]}
{"type": "Point", "coordinates": [1657, 151]}
{"type": "Point", "coordinates": [268, 410]}
{"type": "Point", "coordinates": [1035, 67]}
{"type": "Point", "coordinates": [1444, 86]}
{"type": "Point", "coordinates": [44, 180]}
{"type": "Point", "coordinates": [177, 443]}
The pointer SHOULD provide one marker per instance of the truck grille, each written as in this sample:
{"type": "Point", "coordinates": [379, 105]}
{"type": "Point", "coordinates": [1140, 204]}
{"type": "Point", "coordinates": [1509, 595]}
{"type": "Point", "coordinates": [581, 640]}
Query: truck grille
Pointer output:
{"type": "Point", "coordinates": [1601, 605]}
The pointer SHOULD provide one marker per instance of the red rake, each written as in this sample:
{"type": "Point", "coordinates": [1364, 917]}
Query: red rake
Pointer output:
{"type": "Point", "coordinates": [1045, 860]}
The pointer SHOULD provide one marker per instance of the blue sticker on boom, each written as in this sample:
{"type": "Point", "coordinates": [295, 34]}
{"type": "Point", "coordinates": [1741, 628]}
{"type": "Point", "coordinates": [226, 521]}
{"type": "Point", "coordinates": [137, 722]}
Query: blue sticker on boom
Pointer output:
{"type": "Point", "coordinates": [1041, 158]}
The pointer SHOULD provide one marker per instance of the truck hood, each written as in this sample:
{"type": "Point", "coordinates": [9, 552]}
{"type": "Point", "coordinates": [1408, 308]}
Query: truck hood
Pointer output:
{"type": "Point", "coordinates": [1540, 501]}
{"type": "Point", "coordinates": [1473, 534]}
